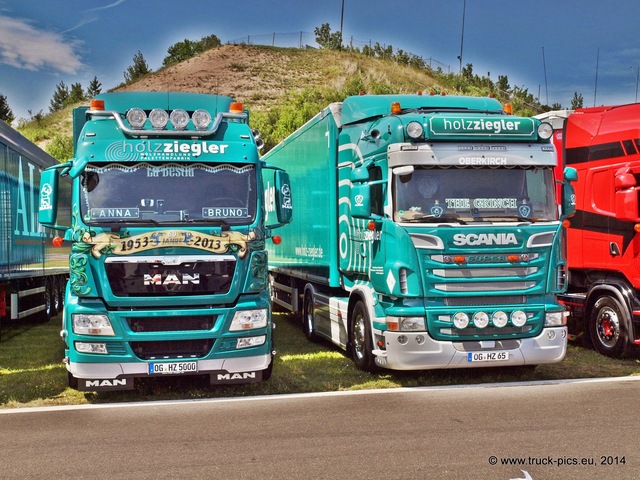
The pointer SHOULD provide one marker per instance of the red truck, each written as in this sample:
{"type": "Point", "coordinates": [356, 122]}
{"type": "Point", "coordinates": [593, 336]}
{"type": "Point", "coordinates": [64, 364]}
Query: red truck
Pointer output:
{"type": "Point", "coordinates": [603, 238]}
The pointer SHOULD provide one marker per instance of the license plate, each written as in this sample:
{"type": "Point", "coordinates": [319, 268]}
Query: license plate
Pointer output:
{"type": "Point", "coordinates": [487, 356]}
{"type": "Point", "coordinates": [169, 368]}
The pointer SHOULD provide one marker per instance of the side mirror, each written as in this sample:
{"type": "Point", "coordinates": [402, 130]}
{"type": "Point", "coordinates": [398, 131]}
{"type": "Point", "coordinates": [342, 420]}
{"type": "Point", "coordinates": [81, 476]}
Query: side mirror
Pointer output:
{"type": "Point", "coordinates": [568, 192]}
{"type": "Point", "coordinates": [48, 201]}
{"type": "Point", "coordinates": [626, 195]}
{"type": "Point", "coordinates": [284, 206]}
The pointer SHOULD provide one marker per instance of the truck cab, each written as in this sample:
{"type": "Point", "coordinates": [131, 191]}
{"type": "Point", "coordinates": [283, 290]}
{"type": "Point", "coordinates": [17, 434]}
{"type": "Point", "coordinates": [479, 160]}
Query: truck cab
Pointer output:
{"type": "Point", "coordinates": [168, 263]}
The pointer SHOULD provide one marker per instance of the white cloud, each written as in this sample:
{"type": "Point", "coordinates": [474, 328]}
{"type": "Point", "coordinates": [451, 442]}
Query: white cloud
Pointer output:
{"type": "Point", "coordinates": [26, 47]}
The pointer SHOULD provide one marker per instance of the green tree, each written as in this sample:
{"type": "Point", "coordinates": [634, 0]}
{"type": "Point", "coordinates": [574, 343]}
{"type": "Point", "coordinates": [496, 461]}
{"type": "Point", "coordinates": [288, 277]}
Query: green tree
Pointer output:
{"type": "Point", "coordinates": [577, 101]}
{"type": "Point", "coordinates": [208, 42]}
{"type": "Point", "coordinates": [503, 85]}
{"type": "Point", "coordinates": [61, 147]}
{"type": "Point", "coordinates": [6, 115]}
{"type": "Point", "coordinates": [138, 70]}
{"type": "Point", "coordinates": [181, 51]}
{"type": "Point", "coordinates": [60, 98]}
{"type": "Point", "coordinates": [76, 94]}
{"type": "Point", "coordinates": [95, 87]}
{"type": "Point", "coordinates": [326, 39]}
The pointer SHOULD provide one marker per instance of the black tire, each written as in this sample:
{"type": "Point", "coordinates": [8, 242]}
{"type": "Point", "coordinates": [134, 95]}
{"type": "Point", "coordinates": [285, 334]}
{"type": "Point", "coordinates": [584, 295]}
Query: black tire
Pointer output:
{"type": "Point", "coordinates": [308, 324]}
{"type": "Point", "coordinates": [360, 339]}
{"type": "Point", "coordinates": [608, 327]}
{"type": "Point", "coordinates": [50, 298]}
{"type": "Point", "coordinates": [266, 373]}
{"type": "Point", "coordinates": [72, 381]}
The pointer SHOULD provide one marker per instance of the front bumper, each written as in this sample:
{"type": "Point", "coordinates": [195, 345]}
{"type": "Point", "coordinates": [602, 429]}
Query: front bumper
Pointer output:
{"type": "Point", "coordinates": [427, 354]}
{"type": "Point", "coordinates": [120, 376]}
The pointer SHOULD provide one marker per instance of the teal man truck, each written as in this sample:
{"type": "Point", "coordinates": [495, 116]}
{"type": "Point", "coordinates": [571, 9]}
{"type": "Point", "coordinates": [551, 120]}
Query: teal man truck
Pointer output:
{"type": "Point", "coordinates": [427, 233]}
{"type": "Point", "coordinates": [168, 267]}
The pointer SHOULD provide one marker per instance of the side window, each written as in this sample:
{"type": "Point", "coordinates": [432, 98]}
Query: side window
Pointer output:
{"type": "Point", "coordinates": [377, 194]}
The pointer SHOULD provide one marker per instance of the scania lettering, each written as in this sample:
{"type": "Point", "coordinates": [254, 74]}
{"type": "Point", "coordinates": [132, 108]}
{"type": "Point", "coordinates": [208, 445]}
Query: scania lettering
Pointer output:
{"type": "Point", "coordinates": [427, 233]}
{"type": "Point", "coordinates": [484, 239]}
{"type": "Point", "coordinates": [167, 234]}
{"type": "Point", "coordinates": [33, 272]}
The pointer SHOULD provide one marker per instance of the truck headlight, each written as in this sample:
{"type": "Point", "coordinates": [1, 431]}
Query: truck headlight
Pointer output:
{"type": "Point", "coordinates": [248, 319]}
{"type": "Point", "coordinates": [91, 324]}
{"type": "Point", "coordinates": [555, 319]}
{"type": "Point", "coordinates": [406, 324]}
{"type": "Point", "coordinates": [247, 342]}
{"type": "Point", "coordinates": [84, 347]}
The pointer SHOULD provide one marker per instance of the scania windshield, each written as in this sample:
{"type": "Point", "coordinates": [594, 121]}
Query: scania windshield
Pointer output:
{"type": "Point", "coordinates": [469, 194]}
{"type": "Point", "coordinates": [172, 193]}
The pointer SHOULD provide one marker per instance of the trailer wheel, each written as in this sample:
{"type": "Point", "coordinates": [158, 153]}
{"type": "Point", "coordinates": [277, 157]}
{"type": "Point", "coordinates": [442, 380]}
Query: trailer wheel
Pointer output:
{"type": "Point", "coordinates": [49, 300]}
{"type": "Point", "coordinates": [308, 323]}
{"type": "Point", "coordinates": [608, 327]}
{"type": "Point", "coordinates": [360, 339]}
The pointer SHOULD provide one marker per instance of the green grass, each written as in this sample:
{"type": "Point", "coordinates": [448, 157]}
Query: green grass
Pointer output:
{"type": "Point", "coordinates": [31, 372]}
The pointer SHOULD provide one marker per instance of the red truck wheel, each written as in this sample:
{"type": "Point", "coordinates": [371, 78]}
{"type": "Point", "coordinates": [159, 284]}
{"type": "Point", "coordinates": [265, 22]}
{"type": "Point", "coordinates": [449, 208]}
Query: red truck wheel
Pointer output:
{"type": "Point", "coordinates": [608, 327]}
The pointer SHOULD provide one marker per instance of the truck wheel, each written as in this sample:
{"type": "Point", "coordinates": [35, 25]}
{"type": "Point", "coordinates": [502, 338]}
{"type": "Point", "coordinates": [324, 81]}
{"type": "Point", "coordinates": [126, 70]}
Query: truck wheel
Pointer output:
{"type": "Point", "coordinates": [361, 343]}
{"type": "Point", "coordinates": [72, 381]}
{"type": "Point", "coordinates": [608, 327]}
{"type": "Point", "coordinates": [308, 324]}
{"type": "Point", "coordinates": [49, 299]}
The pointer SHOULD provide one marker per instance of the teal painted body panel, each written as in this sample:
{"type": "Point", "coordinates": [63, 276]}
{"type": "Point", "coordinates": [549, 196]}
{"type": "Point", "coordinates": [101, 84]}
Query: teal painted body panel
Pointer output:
{"type": "Point", "coordinates": [310, 157]}
{"type": "Point", "coordinates": [168, 243]}
{"type": "Point", "coordinates": [462, 225]}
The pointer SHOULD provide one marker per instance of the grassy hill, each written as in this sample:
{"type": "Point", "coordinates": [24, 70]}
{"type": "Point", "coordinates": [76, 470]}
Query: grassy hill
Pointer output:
{"type": "Point", "coordinates": [281, 87]}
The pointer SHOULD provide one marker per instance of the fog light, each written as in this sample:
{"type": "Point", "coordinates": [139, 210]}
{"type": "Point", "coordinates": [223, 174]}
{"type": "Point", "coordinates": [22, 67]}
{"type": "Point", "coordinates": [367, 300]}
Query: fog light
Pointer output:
{"type": "Point", "coordinates": [83, 347]}
{"type": "Point", "coordinates": [247, 342]}
{"type": "Point", "coordinates": [461, 320]}
{"type": "Point", "coordinates": [201, 119]}
{"type": "Point", "coordinates": [481, 319]}
{"type": "Point", "coordinates": [500, 319]}
{"type": "Point", "coordinates": [420, 339]}
{"type": "Point", "coordinates": [136, 117]}
{"type": "Point", "coordinates": [158, 118]}
{"type": "Point", "coordinates": [179, 119]}
{"type": "Point", "coordinates": [551, 334]}
{"type": "Point", "coordinates": [518, 318]}
{"type": "Point", "coordinates": [414, 130]}
{"type": "Point", "coordinates": [403, 340]}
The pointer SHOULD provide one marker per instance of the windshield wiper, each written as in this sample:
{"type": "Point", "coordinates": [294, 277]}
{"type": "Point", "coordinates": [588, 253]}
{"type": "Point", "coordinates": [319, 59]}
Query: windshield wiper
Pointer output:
{"type": "Point", "coordinates": [206, 221]}
{"type": "Point", "coordinates": [428, 218]}
{"type": "Point", "coordinates": [510, 217]}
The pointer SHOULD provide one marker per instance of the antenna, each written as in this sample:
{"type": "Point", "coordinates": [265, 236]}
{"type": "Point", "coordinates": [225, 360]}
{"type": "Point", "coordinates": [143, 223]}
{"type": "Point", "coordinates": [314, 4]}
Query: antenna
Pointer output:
{"type": "Point", "coordinates": [544, 66]}
{"type": "Point", "coordinates": [595, 90]}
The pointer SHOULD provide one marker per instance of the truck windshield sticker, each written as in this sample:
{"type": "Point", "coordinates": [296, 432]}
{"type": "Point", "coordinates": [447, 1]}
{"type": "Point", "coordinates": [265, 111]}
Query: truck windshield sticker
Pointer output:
{"type": "Point", "coordinates": [110, 243]}
{"type": "Point", "coordinates": [225, 212]}
{"type": "Point", "coordinates": [114, 213]}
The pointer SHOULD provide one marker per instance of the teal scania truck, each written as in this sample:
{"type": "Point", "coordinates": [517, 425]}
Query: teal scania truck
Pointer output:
{"type": "Point", "coordinates": [168, 266]}
{"type": "Point", "coordinates": [427, 233]}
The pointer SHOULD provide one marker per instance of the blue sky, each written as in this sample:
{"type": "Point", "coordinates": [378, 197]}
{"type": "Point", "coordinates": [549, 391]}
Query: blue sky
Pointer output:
{"type": "Point", "coordinates": [552, 48]}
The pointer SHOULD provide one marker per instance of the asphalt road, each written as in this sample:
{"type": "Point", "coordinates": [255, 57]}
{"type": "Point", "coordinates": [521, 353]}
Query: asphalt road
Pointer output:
{"type": "Point", "coordinates": [539, 431]}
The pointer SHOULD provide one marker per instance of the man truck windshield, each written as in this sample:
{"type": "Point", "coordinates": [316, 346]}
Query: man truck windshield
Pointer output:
{"type": "Point", "coordinates": [436, 194]}
{"type": "Point", "coordinates": [169, 193]}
